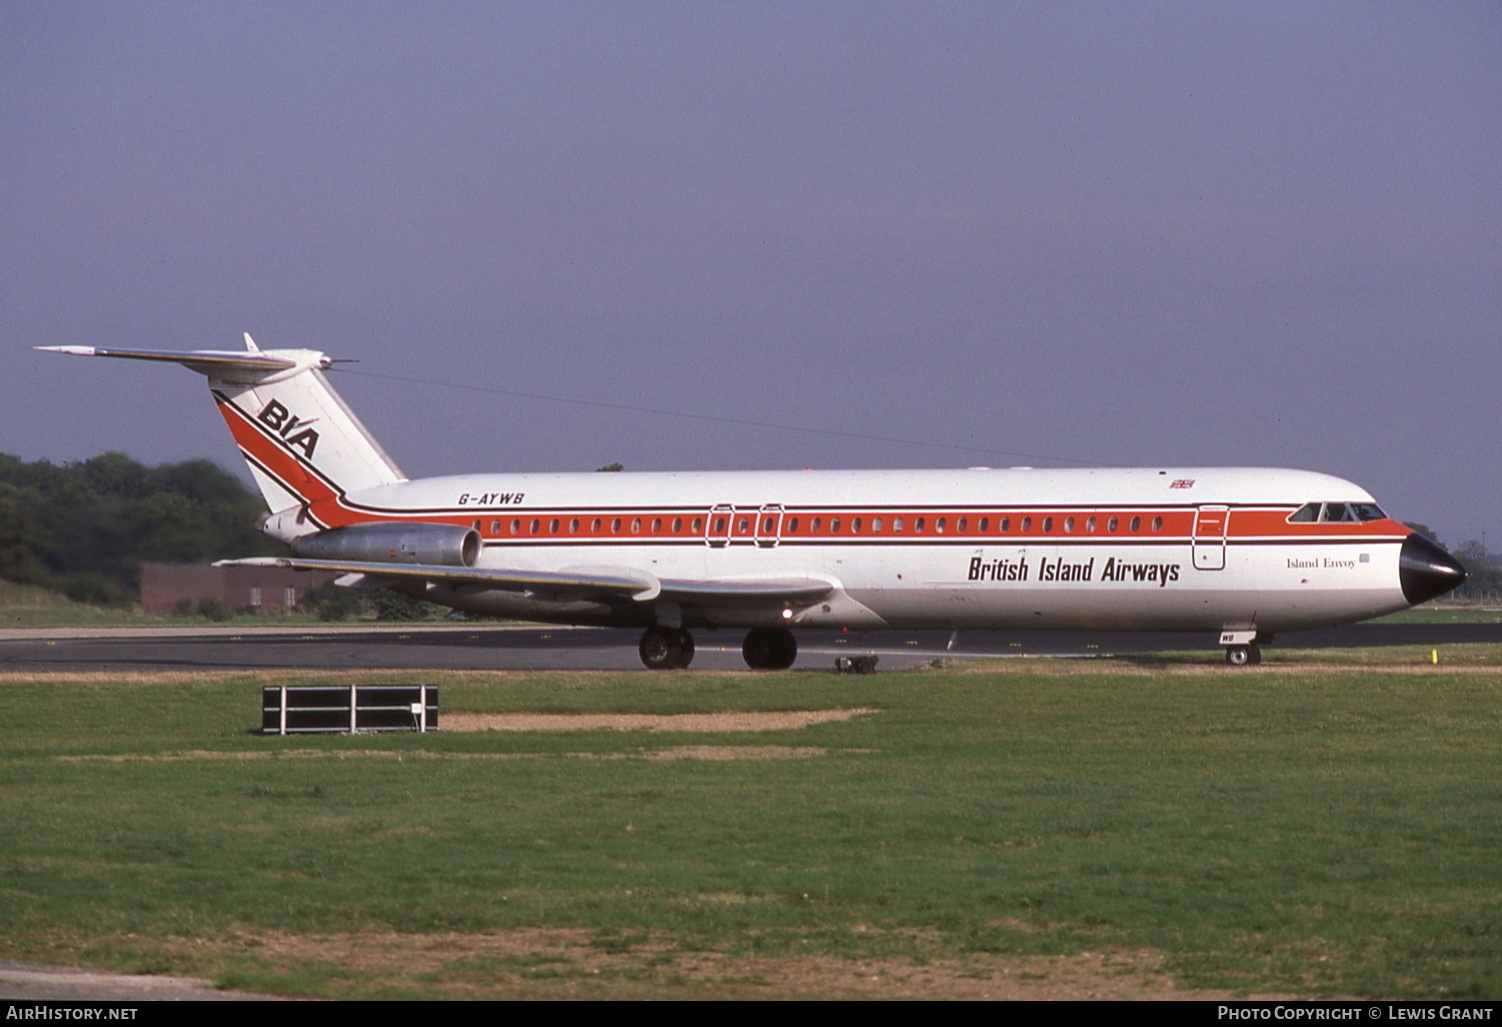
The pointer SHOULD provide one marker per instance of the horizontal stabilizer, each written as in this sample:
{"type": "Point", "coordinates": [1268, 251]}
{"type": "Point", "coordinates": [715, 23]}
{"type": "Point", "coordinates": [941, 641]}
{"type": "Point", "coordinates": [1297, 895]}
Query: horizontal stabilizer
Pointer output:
{"type": "Point", "coordinates": [207, 358]}
{"type": "Point", "coordinates": [245, 368]}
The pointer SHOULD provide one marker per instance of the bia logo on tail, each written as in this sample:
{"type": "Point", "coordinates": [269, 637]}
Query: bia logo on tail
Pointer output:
{"type": "Point", "coordinates": [282, 421]}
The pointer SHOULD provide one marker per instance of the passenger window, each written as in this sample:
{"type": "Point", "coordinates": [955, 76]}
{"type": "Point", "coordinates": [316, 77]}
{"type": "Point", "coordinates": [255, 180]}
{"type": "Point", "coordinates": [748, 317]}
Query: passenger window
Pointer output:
{"type": "Point", "coordinates": [573, 526]}
{"type": "Point", "coordinates": [743, 526]}
{"type": "Point", "coordinates": [636, 525]}
{"type": "Point", "coordinates": [962, 524]}
{"type": "Point", "coordinates": [719, 525]}
{"type": "Point", "coordinates": [1068, 525]}
{"type": "Point", "coordinates": [1048, 524]}
{"type": "Point", "coordinates": [553, 527]}
{"type": "Point", "coordinates": [697, 525]}
{"type": "Point", "coordinates": [834, 525]}
{"type": "Point", "coordinates": [817, 525]}
{"type": "Point", "coordinates": [985, 524]}
{"type": "Point", "coordinates": [495, 527]}
{"type": "Point", "coordinates": [677, 525]}
{"type": "Point", "coordinates": [793, 526]}
{"type": "Point", "coordinates": [1157, 524]}
{"type": "Point", "coordinates": [1136, 523]}
{"type": "Point", "coordinates": [1006, 525]}
{"type": "Point", "coordinates": [939, 526]}
{"type": "Point", "coordinates": [1027, 524]}
{"type": "Point", "coordinates": [594, 526]}
{"type": "Point", "coordinates": [615, 526]}
{"type": "Point", "coordinates": [1111, 524]}
{"type": "Point", "coordinates": [876, 525]}
{"type": "Point", "coordinates": [656, 525]}
{"type": "Point", "coordinates": [1089, 524]}
{"type": "Point", "coordinates": [516, 526]}
{"type": "Point", "coordinates": [855, 525]}
{"type": "Point", "coordinates": [896, 524]}
{"type": "Point", "coordinates": [918, 526]}
{"type": "Point", "coordinates": [536, 525]}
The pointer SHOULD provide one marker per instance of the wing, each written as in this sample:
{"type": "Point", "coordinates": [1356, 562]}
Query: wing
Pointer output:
{"type": "Point", "coordinates": [571, 582]}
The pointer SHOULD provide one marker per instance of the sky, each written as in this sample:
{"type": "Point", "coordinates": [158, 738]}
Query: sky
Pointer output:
{"type": "Point", "coordinates": [725, 235]}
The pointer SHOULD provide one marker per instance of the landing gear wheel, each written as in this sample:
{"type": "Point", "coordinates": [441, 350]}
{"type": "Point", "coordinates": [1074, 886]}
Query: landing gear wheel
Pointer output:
{"type": "Point", "coordinates": [666, 648]}
{"type": "Point", "coordinates": [769, 649]}
{"type": "Point", "coordinates": [1243, 655]}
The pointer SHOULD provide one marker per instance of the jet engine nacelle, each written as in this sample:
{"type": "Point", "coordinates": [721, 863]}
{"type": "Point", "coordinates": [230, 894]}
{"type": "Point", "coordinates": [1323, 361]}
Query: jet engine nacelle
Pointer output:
{"type": "Point", "coordinates": [449, 545]}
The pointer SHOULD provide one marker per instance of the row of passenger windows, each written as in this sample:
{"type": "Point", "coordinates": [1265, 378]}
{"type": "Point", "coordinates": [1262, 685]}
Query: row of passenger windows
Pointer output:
{"type": "Point", "coordinates": [1344, 513]}
{"type": "Point", "coordinates": [816, 525]}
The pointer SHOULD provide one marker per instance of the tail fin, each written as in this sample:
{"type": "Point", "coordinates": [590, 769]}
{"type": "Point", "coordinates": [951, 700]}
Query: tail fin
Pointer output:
{"type": "Point", "coordinates": [305, 448]}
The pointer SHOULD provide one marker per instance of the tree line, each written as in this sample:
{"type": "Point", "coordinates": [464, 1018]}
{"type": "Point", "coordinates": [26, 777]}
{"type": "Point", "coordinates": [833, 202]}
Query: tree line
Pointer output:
{"type": "Point", "coordinates": [85, 528]}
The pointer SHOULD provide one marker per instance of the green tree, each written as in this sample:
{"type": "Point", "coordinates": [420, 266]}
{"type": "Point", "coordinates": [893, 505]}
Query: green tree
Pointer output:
{"type": "Point", "coordinates": [22, 540]}
{"type": "Point", "coordinates": [85, 528]}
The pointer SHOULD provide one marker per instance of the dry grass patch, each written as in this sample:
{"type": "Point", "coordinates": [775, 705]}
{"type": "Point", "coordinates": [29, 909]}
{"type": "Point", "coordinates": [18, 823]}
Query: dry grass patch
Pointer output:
{"type": "Point", "coordinates": [551, 963]}
{"type": "Point", "coordinates": [712, 753]}
{"type": "Point", "coordinates": [777, 720]}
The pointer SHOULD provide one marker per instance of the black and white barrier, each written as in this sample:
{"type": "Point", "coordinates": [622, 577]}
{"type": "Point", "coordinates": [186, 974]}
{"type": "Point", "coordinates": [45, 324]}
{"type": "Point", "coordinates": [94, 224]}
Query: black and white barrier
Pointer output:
{"type": "Point", "coordinates": [306, 709]}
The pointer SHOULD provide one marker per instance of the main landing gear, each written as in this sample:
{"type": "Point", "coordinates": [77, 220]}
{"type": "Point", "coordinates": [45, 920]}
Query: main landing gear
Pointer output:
{"type": "Point", "coordinates": [673, 649]}
{"type": "Point", "coordinates": [769, 649]}
{"type": "Point", "coordinates": [666, 648]}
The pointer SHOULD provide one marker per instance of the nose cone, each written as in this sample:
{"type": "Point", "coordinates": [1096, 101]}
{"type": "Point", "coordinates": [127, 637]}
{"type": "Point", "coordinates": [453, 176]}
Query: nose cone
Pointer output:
{"type": "Point", "coordinates": [1426, 570]}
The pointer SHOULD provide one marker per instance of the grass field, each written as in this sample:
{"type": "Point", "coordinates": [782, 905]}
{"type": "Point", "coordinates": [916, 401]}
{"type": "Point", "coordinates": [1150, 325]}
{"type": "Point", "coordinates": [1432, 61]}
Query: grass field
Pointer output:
{"type": "Point", "coordinates": [1045, 828]}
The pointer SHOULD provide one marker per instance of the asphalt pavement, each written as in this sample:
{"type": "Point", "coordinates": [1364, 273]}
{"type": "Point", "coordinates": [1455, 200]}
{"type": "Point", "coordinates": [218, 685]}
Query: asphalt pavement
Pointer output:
{"type": "Point", "coordinates": [488, 647]}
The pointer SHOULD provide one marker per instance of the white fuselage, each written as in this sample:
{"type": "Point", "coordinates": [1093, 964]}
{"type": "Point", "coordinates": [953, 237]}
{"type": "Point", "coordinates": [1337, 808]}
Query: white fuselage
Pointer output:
{"type": "Point", "coordinates": [1186, 548]}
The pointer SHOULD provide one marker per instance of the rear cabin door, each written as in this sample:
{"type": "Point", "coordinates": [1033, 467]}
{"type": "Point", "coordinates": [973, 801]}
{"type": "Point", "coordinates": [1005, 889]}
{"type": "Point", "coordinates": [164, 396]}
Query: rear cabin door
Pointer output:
{"type": "Point", "coordinates": [1210, 537]}
{"type": "Point", "coordinates": [718, 524]}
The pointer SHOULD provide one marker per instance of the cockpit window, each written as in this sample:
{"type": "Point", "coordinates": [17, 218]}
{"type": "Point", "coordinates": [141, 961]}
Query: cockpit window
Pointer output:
{"type": "Point", "coordinates": [1336, 513]}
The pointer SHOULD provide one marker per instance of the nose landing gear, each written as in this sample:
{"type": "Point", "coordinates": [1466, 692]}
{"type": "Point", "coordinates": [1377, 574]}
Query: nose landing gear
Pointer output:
{"type": "Point", "coordinates": [1243, 655]}
{"type": "Point", "coordinates": [1243, 647]}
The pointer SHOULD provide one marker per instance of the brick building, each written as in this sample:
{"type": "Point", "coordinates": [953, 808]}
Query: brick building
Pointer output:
{"type": "Point", "coordinates": [270, 590]}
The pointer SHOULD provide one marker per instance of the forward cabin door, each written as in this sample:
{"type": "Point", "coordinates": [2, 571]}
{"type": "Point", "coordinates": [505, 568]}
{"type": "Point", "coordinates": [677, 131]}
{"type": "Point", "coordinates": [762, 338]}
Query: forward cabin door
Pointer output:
{"type": "Point", "coordinates": [1210, 537]}
{"type": "Point", "coordinates": [769, 526]}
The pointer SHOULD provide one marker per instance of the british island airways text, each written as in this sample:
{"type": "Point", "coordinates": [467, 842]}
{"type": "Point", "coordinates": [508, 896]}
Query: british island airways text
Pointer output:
{"type": "Point", "coordinates": [1059, 569]}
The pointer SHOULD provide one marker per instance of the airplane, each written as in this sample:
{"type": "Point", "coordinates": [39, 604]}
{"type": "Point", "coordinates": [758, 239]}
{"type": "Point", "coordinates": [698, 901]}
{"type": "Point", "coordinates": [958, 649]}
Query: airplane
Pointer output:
{"type": "Point", "coordinates": [1242, 552]}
